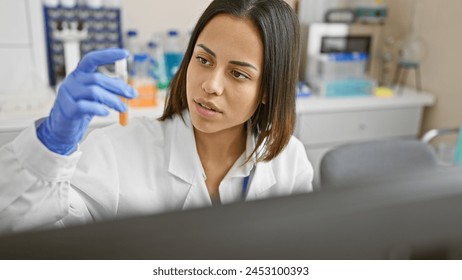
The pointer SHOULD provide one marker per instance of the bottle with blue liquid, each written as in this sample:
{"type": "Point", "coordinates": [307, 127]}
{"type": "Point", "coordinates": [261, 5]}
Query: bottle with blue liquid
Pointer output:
{"type": "Point", "coordinates": [158, 68]}
{"type": "Point", "coordinates": [173, 53]}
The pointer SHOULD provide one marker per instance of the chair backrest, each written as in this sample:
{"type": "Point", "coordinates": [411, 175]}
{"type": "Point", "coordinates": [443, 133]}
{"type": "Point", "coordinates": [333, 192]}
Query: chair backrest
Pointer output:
{"type": "Point", "coordinates": [374, 161]}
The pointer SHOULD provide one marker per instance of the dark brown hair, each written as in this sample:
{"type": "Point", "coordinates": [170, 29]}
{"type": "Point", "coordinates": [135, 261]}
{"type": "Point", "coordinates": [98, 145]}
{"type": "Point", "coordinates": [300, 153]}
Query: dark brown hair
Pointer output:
{"type": "Point", "coordinates": [274, 121]}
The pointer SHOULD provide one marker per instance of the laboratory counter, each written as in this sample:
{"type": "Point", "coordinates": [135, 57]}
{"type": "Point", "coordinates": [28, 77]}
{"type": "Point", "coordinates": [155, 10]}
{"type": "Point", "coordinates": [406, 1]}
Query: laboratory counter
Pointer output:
{"type": "Point", "coordinates": [18, 113]}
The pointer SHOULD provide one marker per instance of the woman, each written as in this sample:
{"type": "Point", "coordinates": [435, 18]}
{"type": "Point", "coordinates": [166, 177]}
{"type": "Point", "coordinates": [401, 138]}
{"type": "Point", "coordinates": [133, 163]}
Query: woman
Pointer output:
{"type": "Point", "coordinates": [225, 135]}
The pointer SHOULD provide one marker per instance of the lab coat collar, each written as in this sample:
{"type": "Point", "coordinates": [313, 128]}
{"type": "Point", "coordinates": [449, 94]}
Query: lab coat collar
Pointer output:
{"type": "Point", "coordinates": [185, 164]}
{"type": "Point", "coordinates": [262, 177]}
{"type": "Point", "coordinates": [184, 161]}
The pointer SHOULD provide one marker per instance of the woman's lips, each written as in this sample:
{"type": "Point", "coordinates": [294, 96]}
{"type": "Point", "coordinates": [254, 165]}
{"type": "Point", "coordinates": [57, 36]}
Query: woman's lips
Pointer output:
{"type": "Point", "coordinates": [206, 109]}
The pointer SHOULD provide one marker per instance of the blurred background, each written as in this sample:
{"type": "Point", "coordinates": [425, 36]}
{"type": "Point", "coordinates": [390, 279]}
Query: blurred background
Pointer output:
{"type": "Point", "coordinates": [370, 69]}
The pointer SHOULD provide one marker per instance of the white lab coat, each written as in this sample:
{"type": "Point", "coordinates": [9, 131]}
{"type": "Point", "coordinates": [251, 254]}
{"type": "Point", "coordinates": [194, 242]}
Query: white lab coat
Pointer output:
{"type": "Point", "coordinates": [146, 167]}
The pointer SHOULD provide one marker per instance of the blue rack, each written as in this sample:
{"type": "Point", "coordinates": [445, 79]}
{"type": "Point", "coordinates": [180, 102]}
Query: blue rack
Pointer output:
{"type": "Point", "coordinates": [104, 31]}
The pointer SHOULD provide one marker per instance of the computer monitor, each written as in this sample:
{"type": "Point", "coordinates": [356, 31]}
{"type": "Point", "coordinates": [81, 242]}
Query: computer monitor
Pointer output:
{"type": "Point", "coordinates": [418, 218]}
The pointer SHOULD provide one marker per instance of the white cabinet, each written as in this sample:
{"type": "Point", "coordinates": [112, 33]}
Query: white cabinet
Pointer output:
{"type": "Point", "coordinates": [323, 124]}
{"type": "Point", "coordinates": [320, 129]}
{"type": "Point", "coordinates": [13, 23]}
{"type": "Point", "coordinates": [22, 47]}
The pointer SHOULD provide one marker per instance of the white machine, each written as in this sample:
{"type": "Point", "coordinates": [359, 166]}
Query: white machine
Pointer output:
{"type": "Point", "coordinates": [335, 50]}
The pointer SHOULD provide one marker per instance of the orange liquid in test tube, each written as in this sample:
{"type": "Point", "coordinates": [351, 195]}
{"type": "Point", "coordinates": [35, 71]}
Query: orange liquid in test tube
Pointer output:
{"type": "Point", "coordinates": [123, 117]}
{"type": "Point", "coordinates": [122, 72]}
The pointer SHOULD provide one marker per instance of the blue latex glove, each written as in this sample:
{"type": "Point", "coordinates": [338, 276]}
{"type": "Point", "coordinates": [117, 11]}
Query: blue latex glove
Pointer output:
{"type": "Point", "coordinates": [84, 94]}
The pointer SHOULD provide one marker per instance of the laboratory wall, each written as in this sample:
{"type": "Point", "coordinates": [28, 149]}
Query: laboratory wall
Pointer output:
{"type": "Point", "coordinates": [438, 24]}
{"type": "Point", "coordinates": [154, 16]}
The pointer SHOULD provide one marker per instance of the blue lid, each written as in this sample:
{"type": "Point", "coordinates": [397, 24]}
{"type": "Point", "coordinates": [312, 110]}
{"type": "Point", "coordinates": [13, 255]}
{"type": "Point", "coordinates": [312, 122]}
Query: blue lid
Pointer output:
{"type": "Point", "coordinates": [140, 57]}
{"type": "Point", "coordinates": [152, 45]}
{"type": "Point", "coordinates": [132, 33]}
{"type": "Point", "coordinates": [172, 33]}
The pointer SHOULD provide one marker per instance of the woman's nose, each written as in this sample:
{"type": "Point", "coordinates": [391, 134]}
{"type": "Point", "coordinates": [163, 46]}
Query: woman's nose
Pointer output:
{"type": "Point", "coordinates": [214, 83]}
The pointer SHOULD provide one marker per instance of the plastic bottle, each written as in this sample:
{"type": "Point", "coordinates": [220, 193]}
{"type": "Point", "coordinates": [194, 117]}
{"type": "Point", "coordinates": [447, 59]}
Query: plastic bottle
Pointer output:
{"type": "Point", "coordinates": [143, 82]}
{"type": "Point", "coordinates": [158, 67]}
{"type": "Point", "coordinates": [132, 45]}
{"type": "Point", "coordinates": [173, 53]}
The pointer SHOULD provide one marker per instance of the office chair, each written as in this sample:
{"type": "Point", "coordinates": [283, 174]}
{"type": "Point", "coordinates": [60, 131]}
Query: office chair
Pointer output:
{"type": "Point", "coordinates": [433, 133]}
{"type": "Point", "coordinates": [375, 162]}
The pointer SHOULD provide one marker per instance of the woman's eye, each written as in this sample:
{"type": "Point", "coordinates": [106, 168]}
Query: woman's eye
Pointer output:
{"type": "Point", "coordinates": [203, 60]}
{"type": "Point", "coordinates": [239, 75]}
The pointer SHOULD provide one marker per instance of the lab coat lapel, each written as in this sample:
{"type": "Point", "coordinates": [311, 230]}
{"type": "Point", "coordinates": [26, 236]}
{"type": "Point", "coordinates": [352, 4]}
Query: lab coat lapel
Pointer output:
{"type": "Point", "coordinates": [183, 155]}
{"type": "Point", "coordinates": [262, 181]}
{"type": "Point", "coordinates": [185, 163]}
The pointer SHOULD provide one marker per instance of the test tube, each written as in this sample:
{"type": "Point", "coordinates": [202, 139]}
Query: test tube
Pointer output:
{"type": "Point", "coordinates": [122, 72]}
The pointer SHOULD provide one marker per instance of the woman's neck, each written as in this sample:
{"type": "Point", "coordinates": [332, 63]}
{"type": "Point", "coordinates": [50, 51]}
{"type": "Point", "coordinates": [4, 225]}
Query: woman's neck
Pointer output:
{"type": "Point", "coordinates": [221, 146]}
{"type": "Point", "coordinates": [218, 152]}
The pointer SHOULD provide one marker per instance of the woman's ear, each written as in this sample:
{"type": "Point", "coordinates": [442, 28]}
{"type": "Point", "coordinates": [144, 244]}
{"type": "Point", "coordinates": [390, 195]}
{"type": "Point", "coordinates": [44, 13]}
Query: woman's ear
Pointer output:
{"type": "Point", "coordinates": [263, 99]}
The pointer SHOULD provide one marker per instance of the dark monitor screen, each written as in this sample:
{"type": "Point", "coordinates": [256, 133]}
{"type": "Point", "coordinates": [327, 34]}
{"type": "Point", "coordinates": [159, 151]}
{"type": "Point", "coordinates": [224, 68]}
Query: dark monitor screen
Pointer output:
{"type": "Point", "coordinates": [346, 44]}
{"type": "Point", "coordinates": [418, 218]}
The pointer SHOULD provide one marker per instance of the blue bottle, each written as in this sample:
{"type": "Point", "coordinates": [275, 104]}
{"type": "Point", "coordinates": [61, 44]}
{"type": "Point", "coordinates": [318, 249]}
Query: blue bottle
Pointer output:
{"type": "Point", "coordinates": [158, 68]}
{"type": "Point", "coordinates": [173, 53]}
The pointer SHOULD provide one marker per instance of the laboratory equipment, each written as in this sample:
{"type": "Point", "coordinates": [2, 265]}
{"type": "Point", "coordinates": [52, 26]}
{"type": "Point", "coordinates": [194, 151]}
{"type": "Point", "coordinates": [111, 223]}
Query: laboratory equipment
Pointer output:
{"type": "Point", "coordinates": [412, 53]}
{"type": "Point", "coordinates": [369, 11]}
{"type": "Point", "coordinates": [342, 58]}
{"type": "Point", "coordinates": [140, 74]}
{"type": "Point", "coordinates": [121, 69]}
{"type": "Point", "coordinates": [347, 11]}
{"type": "Point", "coordinates": [71, 34]}
{"type": "Point", "coordinates": [340, 15]}
{"type": "Point", "coordinates": [343, 75]}
{"type": "Point", "coordinates": [83, 28]}
{"type": "Point", "coordinates": [140, 78]}
{"type": "Point", "coordinates": [133, 45]}
{"type": "Point", "coordinates": [173, 53]}
{"type": "Point", "coordinates": [388, 54]}
{"type": "Point", "coordinates": [315, 11]}
{"type": "Point", "coordinates": [158, 67]}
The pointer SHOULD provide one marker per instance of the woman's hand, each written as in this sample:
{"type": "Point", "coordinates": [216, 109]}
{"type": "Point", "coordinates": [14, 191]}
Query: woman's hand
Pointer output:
{"type": "Point", "coordinates": [83, 94]}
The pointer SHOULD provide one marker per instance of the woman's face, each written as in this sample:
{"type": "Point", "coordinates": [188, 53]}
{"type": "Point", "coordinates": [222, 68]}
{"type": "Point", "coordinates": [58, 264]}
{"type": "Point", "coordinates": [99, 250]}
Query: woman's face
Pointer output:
{"type": "Point", "coordinates": [224, 74]}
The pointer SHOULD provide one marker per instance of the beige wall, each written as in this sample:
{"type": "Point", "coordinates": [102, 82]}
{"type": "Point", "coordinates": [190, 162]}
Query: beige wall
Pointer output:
{"type": "Point", "coordinates": [151, 16]}
{"type": "Point", "coordinates": [439, 24]}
